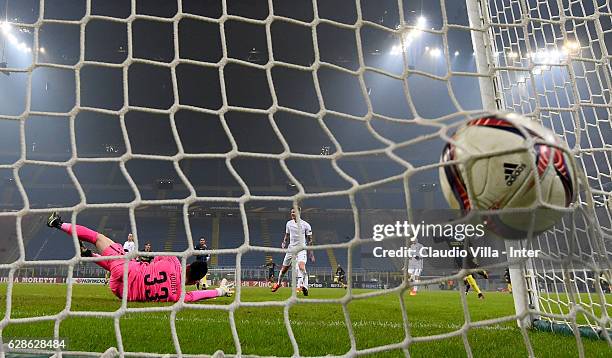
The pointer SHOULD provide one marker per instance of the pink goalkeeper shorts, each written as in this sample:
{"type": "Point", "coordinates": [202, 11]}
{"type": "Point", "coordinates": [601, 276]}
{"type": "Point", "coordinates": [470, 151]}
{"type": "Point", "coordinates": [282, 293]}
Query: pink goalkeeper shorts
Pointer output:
{"type": "Point", "coordinates": [116, 268]}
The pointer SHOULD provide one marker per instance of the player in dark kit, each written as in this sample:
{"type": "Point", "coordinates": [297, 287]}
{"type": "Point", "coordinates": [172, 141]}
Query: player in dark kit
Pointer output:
{"type": "Point", "coordinates": [271, 265]}
{"type": "Point", "coordinates": [202, 246]}
{"type": "Point", "coordinates": [471, 282]}
{"type": "Point", "coordinates": [507, 279]}
{"type": "Point", "coordinates": [160, 280]}
{"type": "Point", "coordinates": [340, 276]}
{"type": "Point", "coordinates": [147, 259]}
{"type": "Point", "coordinates": [469, 262]}
{"type": "Point", "coordinates": [205, 258]}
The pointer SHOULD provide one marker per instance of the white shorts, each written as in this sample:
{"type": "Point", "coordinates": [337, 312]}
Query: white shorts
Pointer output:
{"type": "Point", "coordinates": [414, 271]}
{"type": "Point", "coordinates": [301, 257]}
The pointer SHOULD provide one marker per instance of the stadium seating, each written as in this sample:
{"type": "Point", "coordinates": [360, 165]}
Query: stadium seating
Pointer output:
{"type": "Point", "coordinates": [166, 232]}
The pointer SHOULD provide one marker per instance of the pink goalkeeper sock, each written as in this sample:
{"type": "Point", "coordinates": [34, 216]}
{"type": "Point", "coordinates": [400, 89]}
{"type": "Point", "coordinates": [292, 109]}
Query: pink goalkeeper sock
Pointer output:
{"type": "Point", "coordinates": [82, 232]}
{"type": "Point", "coordinates": [194, 296]}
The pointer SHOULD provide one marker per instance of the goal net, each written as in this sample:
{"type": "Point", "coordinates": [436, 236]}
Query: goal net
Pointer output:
{"type": "Point", "coordinates": [551, 61]}
{"type": "Point", "coordinates": [220, 117]}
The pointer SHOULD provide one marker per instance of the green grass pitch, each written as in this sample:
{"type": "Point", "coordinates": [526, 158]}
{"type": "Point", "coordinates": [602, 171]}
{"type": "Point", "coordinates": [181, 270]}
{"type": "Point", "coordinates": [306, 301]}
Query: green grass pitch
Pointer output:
{"type": "Point", "coordinates": [319, 328]}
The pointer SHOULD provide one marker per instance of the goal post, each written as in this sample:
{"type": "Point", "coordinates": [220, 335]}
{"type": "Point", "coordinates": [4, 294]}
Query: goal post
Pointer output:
{"type": "Point", "coordinates": [478, 16]}
{"type": "Point", "coordinates": [522, 49]}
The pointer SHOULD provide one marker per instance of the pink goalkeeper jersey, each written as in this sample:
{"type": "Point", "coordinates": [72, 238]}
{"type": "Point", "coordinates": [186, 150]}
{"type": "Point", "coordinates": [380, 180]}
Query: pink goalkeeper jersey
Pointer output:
{"type": "Point", "coordinates": [159, 280]}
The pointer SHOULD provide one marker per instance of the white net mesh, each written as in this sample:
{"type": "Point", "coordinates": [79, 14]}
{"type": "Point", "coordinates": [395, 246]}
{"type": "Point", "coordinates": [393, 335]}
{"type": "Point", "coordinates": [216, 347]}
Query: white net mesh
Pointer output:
{"type": "Point", "coordinates": [556, 68]}
{"type": "Point", "coordinates": [547, 59]}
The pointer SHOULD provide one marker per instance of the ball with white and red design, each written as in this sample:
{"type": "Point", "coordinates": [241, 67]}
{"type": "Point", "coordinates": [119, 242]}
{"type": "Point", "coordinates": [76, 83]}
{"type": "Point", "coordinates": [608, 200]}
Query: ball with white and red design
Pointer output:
{"type": "Point", "coordinates": [500, 168]}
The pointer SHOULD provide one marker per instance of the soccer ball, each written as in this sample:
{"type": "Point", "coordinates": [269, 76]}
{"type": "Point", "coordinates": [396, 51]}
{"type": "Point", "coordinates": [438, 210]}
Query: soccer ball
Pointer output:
{"type": "Point", "coordinates": [502, 181]}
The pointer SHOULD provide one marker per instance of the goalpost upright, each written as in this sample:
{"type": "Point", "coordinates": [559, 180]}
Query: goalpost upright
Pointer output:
{"type": "Point", "coordinates": [478, 15]}
{"type": "Point", "coordinates": [531, 49]}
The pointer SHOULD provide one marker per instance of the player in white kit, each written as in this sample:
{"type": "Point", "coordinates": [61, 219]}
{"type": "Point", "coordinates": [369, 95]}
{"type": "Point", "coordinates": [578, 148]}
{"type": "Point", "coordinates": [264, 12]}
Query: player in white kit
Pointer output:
{"type": "Point", "coordinates": [415, 265]}
{"type": "Point", "coordinates": [298, 232]}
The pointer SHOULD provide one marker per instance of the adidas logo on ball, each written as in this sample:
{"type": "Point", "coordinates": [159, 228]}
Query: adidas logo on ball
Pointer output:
{"type": "Point", "coordinates": [512, 171]}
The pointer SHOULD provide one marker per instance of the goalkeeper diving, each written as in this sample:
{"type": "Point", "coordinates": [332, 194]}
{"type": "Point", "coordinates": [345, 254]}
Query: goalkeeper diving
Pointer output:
{"type": "Point", "coordinates": [159, 280]}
